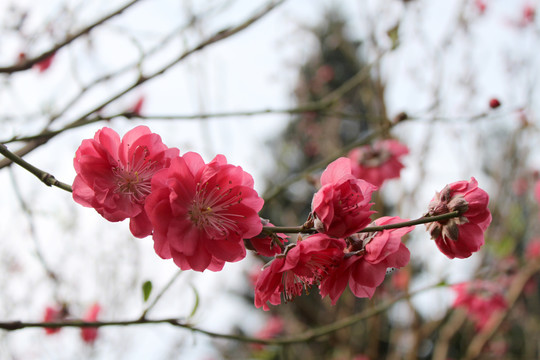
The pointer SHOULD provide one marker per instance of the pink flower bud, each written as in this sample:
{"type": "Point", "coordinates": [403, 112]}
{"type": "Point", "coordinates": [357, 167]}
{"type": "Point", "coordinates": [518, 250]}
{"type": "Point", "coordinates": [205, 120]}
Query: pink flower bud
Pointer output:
{"type": "Point", "coordinates": [460, 236]}
{"type": "Point", "coordinates": [494, 103]}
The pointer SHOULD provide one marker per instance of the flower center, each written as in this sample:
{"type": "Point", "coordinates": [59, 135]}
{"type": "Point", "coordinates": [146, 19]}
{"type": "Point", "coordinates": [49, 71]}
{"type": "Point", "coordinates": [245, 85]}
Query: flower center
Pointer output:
{"type": "Point", "coordinates": [211, 210]}
{"type": "Point", "coordinates": [374, 157]}
{"type": "Point", "coordinates": [134, 177]}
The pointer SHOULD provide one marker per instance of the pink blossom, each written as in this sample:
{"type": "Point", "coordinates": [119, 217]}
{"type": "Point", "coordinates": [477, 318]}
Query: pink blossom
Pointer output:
{"type": "Point", "coordinates": [529, 14]}
{"type": "Point", "coordinates": [342, 205]}
{"type": "Point", "coordinates": [273, 327]}
{"type": "Point", "coordinates": [302, 266]}
{"type": "Point", "coordinates": [460, 236]}
{"type": "Point", "coordinates": [379, 162]}
{"type": "Point", "coordinates": [201, 212]}
{"type": "Point", "coordinates": [90, 334]}
{"type": "Point", "coordinates": [325, 73]}
{"type": "Point", "coordinates": [480, 6]}
{"type": "Point", "coordinates": [53, 314]}
{"type": "Point", "coordinates": [44, 64]}
{"type": "Point", "coordinates": [537, 191]}
{"type": "Point", "coordinates": [481, 299]}
{"type": "Point", "coordinates": [267, 244]}
{"type": "Point", "coordinates": [137, 106]}
{"type": "Point", "coordinates": [532, 251]}
{"type": "Point", "coordinates": [113, 175]}
{"type": "Point", "coordinates": [367, 258]}
{"type": "Point", "coordinates": [520, 186]}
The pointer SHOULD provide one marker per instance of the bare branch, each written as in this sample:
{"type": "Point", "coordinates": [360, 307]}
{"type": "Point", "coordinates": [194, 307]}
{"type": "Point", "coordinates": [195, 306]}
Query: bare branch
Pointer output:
{"type": "Point", "coordinates": [28, 63]}
{"type": "Point", "coordinates": [220, 35]}
{"type": "Point", "coordinates": [44, 176]}
{"type": "Point", "coordinates": [303, 337]}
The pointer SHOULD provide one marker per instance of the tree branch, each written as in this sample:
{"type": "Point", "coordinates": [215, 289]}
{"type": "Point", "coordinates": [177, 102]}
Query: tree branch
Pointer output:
{"type": "Point", "coordinates": [28, 63]}
{"type": "Point", "coordinates": [220, 35]}
{"type": "Point", "coordinates": [518, 283]}
{"type": "Point", "coordinates": [421, 220]}
{"type": "Point", "coordinates": [304, 337]}
{"type": "Point", "coordinates": [43, 176]}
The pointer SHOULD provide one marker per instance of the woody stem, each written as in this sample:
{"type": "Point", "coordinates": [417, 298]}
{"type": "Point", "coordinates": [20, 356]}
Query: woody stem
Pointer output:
{"type": "Point", "coordinates": [421, 220]}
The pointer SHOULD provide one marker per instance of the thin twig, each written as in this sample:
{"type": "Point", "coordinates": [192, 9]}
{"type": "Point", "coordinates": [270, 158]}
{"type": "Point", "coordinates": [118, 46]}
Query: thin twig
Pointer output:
{"type": "Point", "coordinates": [32, 228]}
{"type": "Point", "coordinates": [160, 294]}
{"type": "Point", "coordinates": [304, 337]}
{"type": "Point", "coordinates": [219, 36]}
{"type": "Point", "coordinates": [28, 63]}
{"type": "Point", "coordinates": [278, 189]}
{"type": "Point", "coordinates": [44, 176]}
{"type": "Point", "coordinates": [421, 220]}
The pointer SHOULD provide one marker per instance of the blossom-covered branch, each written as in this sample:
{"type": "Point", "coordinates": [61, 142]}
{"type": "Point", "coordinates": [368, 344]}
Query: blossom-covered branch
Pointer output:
{"type": "Point", "coordinates": [311, 230]}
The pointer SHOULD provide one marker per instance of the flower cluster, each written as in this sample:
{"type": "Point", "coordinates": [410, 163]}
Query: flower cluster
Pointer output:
{"type": "Point", "coordinates": [481, 299]}
{"type": "Point", "coordinates": [203, 215]}
{"type": "Point", "coordinates": [198, 213]}
{"type": "Point", "coordinates": [338, 255]}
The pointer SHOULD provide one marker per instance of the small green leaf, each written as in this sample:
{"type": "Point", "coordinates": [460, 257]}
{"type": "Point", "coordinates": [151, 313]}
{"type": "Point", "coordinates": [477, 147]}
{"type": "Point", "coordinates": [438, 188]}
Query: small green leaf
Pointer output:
{"type": "Point", "coordinates": [393, 34]}
{"type": "Point", "coordinates": [196, 306]}
{"type": "Point", "coordinates": [146, 289]}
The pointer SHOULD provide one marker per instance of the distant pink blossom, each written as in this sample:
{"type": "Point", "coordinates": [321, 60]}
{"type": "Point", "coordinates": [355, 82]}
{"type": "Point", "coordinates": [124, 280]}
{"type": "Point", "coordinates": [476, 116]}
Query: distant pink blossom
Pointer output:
{"type": "Point", "coordinates": [532, 252]}
{"type": "Point", "coordinates": [520, 186]}
{"type": "Point", "coordinates": [528, 17]}
{"type": "Point", "coordinates": [401, 280]}
{"type": "Point", "coordinates": [303, 265]}
{"type": "Point", "coordinates": [367, 258]}
{"type": "Point", "coordinates": [53, 314]}
{"type": "Point", "coordinates": [325, 73]}
{"type": "Point", "coordinates": [90, 334]}
{"type": "Point", "coordinates": [342, 205]}
{"type": "Point", "coordinates": [480, 6]}
{"type": "Point", "coordinates": [461, 236]}
{"type": "Point", "coordinates": [113, 175]}
{"type": "Point", "coordinates": [528, 14]}
{"type": "Point", "coordinates": [537, 191]}
{"type": "Point", "coordinates": [201, 212]}
{"type": "Point", "coordinates": [481, 299]}
{"type": "Point", "coordinates": [44, 64]}
{"type": "Point", "coordinates": [267, 244]}
{"type": "Point", "coordinates": [137, 106]}
{"type": "Point", "coordinates": [379, 162]}
{"type": "Point", "coordinates": [273, 327]}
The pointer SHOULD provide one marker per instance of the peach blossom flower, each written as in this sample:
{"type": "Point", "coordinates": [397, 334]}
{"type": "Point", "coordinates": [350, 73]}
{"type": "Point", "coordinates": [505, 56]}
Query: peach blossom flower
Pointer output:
{"type": "Point", "coordinates": [113, 175]}
{"type": "Point", "coordinates": [379, 162]}
{"type": "Point", "coordinates": [201, 212]}
{"type": "Point", "coordinates": [342, 205]}
{"type": "Point", "coordinates": [367, 258]}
